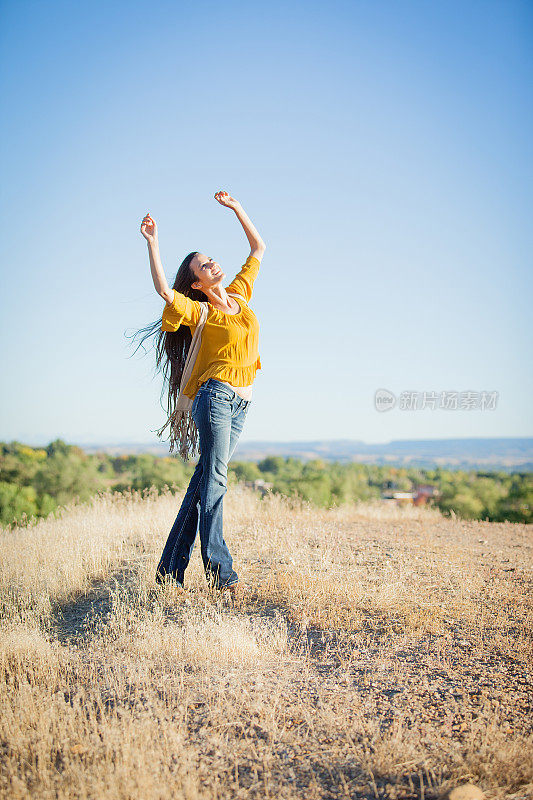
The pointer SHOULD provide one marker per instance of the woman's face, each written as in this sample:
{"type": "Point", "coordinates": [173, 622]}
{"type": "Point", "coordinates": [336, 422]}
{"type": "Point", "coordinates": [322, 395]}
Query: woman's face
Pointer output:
{"type": "Point", "coordinates": [207, 272]}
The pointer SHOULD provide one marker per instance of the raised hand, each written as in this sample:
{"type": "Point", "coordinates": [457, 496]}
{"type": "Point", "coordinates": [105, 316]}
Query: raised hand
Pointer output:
{"type": "Point", "coordinates": [227, 200]}
{"type": "Point", "coordinates": [149, 229]}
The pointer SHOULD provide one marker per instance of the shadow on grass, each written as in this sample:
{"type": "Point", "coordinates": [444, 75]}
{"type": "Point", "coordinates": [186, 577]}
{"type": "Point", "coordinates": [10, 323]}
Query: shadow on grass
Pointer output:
{"type": "Point", "coordinates": [73, 621]}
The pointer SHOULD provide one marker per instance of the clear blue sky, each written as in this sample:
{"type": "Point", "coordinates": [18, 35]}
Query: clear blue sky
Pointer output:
{"type": "Point", "coordinates": [382, 149]}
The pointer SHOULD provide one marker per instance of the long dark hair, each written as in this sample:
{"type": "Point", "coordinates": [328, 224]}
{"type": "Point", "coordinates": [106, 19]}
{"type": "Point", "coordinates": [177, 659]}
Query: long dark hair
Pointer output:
{"type": "Point", "coordinates": [172, 347]}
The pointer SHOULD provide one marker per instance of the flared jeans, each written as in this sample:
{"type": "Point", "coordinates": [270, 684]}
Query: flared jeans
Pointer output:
{"type": "Point", "coordinates": [219, 414]}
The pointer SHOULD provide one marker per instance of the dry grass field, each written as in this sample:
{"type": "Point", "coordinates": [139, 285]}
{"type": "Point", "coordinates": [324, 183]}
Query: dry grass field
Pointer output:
{"type": "Point", "coordinates": [382, 653]}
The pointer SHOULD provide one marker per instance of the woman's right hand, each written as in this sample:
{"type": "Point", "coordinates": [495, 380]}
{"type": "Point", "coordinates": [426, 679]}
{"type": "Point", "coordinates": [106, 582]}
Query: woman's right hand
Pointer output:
{"type": "Point", "coordinates": [149, 229]}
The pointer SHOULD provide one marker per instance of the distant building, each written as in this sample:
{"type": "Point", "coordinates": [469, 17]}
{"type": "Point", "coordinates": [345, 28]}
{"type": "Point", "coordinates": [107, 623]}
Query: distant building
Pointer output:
{"type": "Point", "coordinates": [398, 498]}
{"type": "Point", "coordinates": [425, 494]}
{"type": "Point", "coordinates": [418, 497]}
{"type": "Point", "coordinates": [259, 485]}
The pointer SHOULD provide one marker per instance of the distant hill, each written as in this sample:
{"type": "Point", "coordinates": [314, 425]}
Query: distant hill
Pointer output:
{"type": "Point", "coordinates": [476, 453]}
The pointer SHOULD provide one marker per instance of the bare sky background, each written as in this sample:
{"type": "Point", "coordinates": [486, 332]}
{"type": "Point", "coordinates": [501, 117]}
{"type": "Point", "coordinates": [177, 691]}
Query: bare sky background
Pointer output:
{"type": "Point", "coordinates": [383, 151]}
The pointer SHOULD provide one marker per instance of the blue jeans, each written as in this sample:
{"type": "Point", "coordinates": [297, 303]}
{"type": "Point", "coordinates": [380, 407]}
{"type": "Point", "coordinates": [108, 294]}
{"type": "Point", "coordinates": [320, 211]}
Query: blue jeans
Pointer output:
{"type": "Point", "coordinates": [219, 415]}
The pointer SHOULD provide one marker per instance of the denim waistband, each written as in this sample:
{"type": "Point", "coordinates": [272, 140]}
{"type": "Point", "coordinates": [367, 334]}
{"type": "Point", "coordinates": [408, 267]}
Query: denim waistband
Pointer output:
{"type": "Point", "coordinates": [216, 384]}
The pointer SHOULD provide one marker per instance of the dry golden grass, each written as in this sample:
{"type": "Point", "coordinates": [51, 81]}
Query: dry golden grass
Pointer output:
{"type": "Point", "coordinates": [382, 653]}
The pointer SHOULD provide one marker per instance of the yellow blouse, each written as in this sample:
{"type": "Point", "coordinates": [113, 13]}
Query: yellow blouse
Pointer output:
{"type": "Point", "coordinates": [229, 344]}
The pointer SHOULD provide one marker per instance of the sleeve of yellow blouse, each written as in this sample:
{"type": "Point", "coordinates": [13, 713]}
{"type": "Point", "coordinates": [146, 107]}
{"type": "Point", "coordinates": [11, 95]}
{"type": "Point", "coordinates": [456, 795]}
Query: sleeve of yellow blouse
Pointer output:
{"type": "Point", "coordinates": [243, 282]}
{"type": "Point", "coordinates": [182, 311]}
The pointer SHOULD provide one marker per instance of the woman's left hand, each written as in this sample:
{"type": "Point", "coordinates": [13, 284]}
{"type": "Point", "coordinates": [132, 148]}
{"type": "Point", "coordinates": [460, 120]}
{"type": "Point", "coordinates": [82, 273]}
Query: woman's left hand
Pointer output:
{"type": "Point", "coordinates": [227, 200]}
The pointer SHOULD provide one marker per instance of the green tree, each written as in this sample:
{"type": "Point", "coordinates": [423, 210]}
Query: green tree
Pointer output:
{"type": "Point", "coordinates": [66, 475]}
{"type": "Point", "coordinates": [17, 501]}
{"type": "Point", "coordinates": [465, 504]}
{"type": "Point", "coordinates": [272, 465]}
{"type": "Point", "coordinates": [245, 471]}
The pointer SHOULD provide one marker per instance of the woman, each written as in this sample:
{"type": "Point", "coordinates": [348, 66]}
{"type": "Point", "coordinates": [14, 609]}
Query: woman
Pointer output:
{"type": "Point", "coordinates": [220, 385]}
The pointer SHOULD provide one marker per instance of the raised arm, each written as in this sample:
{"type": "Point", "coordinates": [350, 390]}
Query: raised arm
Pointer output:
{"type": "Point", "coordinates": [149, 231]}
{"type": "Point", "coordinates": [179, 309]}
{"type": "Point", "coordinates": [257, 245]}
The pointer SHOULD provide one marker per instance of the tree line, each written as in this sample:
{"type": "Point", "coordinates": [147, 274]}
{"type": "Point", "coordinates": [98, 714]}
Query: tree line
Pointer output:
{"type": "Point", "coordinates": [34, 481]}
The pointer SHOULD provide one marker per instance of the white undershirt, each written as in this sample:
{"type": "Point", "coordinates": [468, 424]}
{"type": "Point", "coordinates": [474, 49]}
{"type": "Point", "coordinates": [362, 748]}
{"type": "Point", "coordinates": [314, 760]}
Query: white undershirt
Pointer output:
{"type": "Point", "coordinates": [242, 391]}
